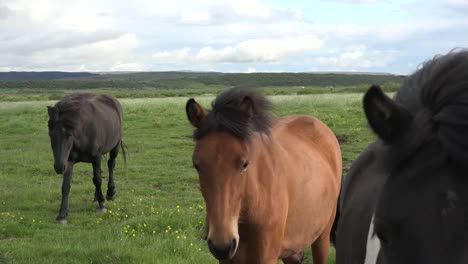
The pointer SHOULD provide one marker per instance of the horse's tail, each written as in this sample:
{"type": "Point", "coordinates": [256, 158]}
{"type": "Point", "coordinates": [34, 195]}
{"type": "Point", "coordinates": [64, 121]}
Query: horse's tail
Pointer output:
{"type": "Point", "coordinates": [335, 222]}
{"type": "Point", "coordinates": [124, 152]}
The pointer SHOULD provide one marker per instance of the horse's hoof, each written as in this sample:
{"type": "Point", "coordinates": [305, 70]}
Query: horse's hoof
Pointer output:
{"type": "Point", "coordinates": [101, 210]}
{"type": "Point", "coordinates": [111, 197]}
{"type": "Point", "coordinates": [61, 221]}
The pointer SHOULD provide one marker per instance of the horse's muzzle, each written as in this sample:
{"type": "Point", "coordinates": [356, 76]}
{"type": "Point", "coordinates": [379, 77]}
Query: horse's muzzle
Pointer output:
{"type": "Point", "coordinates": [223, 252]}
{"type": "Point", "coordinates": [59, 169]}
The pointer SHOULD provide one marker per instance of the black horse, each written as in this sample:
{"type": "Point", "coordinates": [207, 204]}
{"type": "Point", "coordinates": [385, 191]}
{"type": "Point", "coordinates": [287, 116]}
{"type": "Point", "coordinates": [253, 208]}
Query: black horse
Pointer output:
{"type": "Point", "coordinates": [405, 199]}
{"type": "Point", "coordinates": [83, 127]}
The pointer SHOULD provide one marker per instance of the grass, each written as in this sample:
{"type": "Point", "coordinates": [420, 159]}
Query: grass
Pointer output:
{"type": "Point", "coordinates": [158, 215]}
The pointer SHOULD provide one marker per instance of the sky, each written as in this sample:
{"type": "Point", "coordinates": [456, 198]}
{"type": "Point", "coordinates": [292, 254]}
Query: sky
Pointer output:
{"type": "Point", "coordinates": [392, 36]}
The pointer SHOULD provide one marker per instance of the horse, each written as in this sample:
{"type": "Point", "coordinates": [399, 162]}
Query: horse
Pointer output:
{"type": "Point", "coordinates": [270, 185]}
{"type": "Point", "coordinates": [404, 199]}
{"type": "Point", "coordinates": [83, 127]}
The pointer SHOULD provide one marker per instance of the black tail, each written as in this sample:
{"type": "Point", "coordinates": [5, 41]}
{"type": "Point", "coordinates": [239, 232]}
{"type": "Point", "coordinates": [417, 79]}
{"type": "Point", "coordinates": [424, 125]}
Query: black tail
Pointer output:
{"type": "Point", "coordinates": [335, 222]}
{"type": "Point", "coordinates": [124, 152]}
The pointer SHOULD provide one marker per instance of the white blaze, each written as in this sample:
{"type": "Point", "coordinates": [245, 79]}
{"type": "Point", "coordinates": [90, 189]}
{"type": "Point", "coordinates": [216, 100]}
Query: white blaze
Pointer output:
{"type": "Point", "coordinates": [373, 245]}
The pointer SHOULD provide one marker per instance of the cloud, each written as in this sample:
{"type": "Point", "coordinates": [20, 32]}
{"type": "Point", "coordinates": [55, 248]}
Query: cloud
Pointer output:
{"type": "Point", "coordinates": [237, 11]}
{"type": "Point", "coordinates": [196, 18]}
{"type": "Point", "coordinates": [251, 70]}
{"type": "Point", "coordinates": [357, 58]}
{"type": "Point", "coordinates": [93, 56]}
{"type": "Point", "coordinates": [128, 67]}
{"type": "Point", "coordinates": [458, 3]}
{"type": "Point", "coordinates": [28, 44]}
{"type": "Point", "coordinates": [249, 51]}
{"type": "Point", "coordinates": [356, 1]}
{"type": "Point", "coordinates": [5, 12]}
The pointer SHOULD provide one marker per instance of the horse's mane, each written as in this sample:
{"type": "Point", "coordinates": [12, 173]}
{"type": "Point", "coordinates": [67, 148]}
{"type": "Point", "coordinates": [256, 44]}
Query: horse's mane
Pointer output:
{"type": "Point", "coordinates": [437, 97]}
{"type": "Point", "coordinates": [66, 111]}
{"type": "Point", "coordinates": [227, 115]}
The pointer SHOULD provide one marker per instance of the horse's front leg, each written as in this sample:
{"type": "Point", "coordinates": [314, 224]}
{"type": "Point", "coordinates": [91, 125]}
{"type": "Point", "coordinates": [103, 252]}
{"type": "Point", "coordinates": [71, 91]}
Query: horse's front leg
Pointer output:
{"type": "Point", "coordinates": [97, 180]}
{"type": "Point", "coordinates": [258, 247]}
{"type": "Point", "coordinates": [66, 184]}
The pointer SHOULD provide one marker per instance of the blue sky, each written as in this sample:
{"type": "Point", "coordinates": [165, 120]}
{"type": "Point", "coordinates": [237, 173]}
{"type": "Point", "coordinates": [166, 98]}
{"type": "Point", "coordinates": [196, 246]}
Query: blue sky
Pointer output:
{"type": "Point", "coordinates": [392, 36]}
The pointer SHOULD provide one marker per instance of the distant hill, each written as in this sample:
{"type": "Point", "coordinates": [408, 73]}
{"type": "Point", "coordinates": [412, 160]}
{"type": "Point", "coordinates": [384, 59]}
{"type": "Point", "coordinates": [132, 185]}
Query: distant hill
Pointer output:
{"type": "Point", "coordinates": [187, 79]}
{"type": "Point", "coordinates": [45, 76]}
{"type": "Point", "coordinates": [148, 76]}
{"type": "Point", "coordinates": [299, 79]}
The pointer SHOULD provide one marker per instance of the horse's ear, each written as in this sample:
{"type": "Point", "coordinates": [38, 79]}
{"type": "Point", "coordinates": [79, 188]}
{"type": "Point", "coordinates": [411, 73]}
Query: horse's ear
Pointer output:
{"type": "Point", "coordinates": [195, 113]}
{"type": "Point", "coordinates": [246, 106]}
{"type": "Point", "coordinates": [50, 110]}
{"type": "Point", "coordinates": [53, 112]}
{"type": "Point", "coordinates": [388, 120]}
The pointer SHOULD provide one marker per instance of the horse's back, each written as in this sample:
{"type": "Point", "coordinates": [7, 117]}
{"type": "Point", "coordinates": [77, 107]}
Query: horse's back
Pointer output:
{"type": "Point", "coordinates": [100, 119]}
{"type": "Point", "coordinates": [311, 163]}
{"type": "Point", "coordinates": [308, 135]}
{"type": "Point", "coordinates": [111, 102]}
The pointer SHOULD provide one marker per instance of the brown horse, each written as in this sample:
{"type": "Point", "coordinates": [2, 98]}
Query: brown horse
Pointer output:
{"type": "Point", "coordinates": [270, 186]}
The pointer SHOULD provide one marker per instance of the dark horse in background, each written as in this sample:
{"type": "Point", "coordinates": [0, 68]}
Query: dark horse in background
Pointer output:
{"type": "Point", "coordinates": [405, 199]}
{"type": "Point", "coordinates": [83, 127]}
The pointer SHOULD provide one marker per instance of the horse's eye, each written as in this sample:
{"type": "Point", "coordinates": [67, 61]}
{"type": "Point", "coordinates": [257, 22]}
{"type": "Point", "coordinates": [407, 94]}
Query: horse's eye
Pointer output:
{"type": "Point", "coordinates": [245, 166]}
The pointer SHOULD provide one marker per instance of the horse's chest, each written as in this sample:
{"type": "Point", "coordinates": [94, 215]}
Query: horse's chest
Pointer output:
{"type": "Point", "coordinates": [80, 156]}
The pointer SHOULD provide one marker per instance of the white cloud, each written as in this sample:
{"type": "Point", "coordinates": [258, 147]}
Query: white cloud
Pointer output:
{"type": "Point", "coordinates": [232, 11]}
{"type": "Point", "coordinates": [95, 56]}
{"type": "Point", "coordinates": [458, 3]}
{"type": "Point", "coordinates": [5, 12]}
{"type": "Point", "coordinates": [356, 1]}
{"type": "Point", "coordinates": [251, 8]}
{"type": "Point", "coordinates": [251, 70]}
{"type": "Point", "coordinates": [355, 58]}
{"type": "Point", "coordinates": [254, 50]}
{"type": "Point", "coordinates": [127, 67]}
{"type": "Point", "coordinates": [196, 17]}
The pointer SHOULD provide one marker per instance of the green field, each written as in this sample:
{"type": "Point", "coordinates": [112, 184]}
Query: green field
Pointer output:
{"type": "Point", "coordinates": [158, 214]}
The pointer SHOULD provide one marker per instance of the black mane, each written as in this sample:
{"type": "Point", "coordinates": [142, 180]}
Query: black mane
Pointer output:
{"type": "Point", "coordinates": [437, 97]}
{"type": "Point", "coordinates": [66, 111]}
{"type": "Point", "coordinates": [227, 114]}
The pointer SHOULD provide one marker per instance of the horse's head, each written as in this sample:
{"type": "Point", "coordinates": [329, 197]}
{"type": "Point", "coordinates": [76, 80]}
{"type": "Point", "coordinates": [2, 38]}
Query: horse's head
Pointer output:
{"type": "Point", "coordinates": [221, 157]}
{"type": "Point", "coordinates": [421, 213]}
{"type": "Point", "coordinates": [61, 139]}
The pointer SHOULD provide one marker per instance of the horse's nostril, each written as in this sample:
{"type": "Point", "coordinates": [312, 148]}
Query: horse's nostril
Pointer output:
{"type": "Point", "coordinates": [233, 244]}
{"type": "Point", "coordinates": [59, 169]}
{"type": "Point", "coordinates": [221, 252]}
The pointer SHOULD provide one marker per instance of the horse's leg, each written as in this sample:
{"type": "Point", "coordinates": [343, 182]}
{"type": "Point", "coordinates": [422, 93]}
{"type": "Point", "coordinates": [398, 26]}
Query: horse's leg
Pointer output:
{"type": "Point", "coordinates": [294, 259]}
{"type": "Point", "coordinates": [63, 213]}
{"type": "Point", "coordinates": [111, 165]}
{"type": "Point", "coordinates": [321, 246]}
{"type": "Point", "coordinates": [97, 180]}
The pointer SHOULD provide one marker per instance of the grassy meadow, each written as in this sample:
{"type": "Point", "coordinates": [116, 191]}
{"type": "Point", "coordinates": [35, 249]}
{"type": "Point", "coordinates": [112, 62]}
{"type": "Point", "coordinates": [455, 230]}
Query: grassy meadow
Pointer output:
{"type": "Point", "coordinates": [158, 214]}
